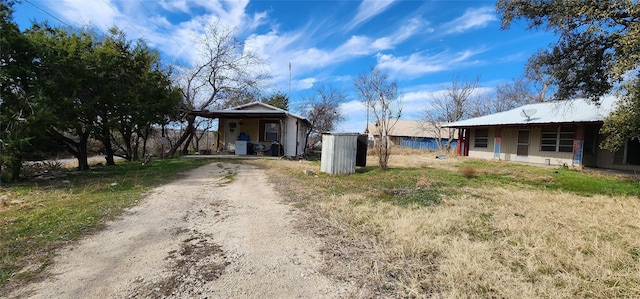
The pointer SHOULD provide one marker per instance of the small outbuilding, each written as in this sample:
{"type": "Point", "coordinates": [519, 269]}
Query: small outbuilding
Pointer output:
{"type": "Point", "coordinates": [341, 153]}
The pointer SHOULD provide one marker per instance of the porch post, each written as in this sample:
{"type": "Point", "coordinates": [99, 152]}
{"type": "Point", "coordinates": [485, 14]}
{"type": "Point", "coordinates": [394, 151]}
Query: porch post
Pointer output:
{"type": "Point", "coordinates": [466, 142]}
{"type": "Point", "coordinates": [221, 127]}
{"type": "Point", "coordinates": [578, 146]}
{"type": "Point", "coordinates": [460, 141]}
{"type": "Point", "coordinates": [281, 146]}
{"type": "Point", "coordinates": [497, 140]}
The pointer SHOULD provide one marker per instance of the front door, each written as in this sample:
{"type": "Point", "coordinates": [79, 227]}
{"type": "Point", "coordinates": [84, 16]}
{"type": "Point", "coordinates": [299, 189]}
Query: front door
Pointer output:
{"type": "Point", "coordinates": [231, 135]}
{"type": "Point", "coordinates": [522, 146]}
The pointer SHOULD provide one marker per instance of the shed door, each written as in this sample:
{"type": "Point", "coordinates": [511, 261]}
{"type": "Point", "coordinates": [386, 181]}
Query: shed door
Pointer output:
{"type": "Point", "coordinates": [522, 146]}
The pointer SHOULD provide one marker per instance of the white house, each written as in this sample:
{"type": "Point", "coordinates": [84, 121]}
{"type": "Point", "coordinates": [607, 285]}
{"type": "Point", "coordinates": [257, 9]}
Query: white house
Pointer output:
{"type": "Point", "coordinates": [259, 128]}
{"type": "Point", "coordinates": [553, 133]}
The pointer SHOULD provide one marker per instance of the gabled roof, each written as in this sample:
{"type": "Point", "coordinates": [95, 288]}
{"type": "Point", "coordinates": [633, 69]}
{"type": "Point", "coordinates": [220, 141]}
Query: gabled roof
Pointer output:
{"type": "Point", "coordinates": [413, 128]}
{"type": "Point", "coordinates": [250, 110]}
{"type": "Point", "coordinates": [561, 112]}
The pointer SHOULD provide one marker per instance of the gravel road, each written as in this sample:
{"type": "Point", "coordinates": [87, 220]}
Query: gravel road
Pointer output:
{"type": "Point", "coordinates": [208, 235]}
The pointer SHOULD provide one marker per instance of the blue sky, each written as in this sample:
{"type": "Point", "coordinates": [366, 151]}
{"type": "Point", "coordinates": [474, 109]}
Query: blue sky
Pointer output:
{"type": "Point", "coordinates": [420, 44]}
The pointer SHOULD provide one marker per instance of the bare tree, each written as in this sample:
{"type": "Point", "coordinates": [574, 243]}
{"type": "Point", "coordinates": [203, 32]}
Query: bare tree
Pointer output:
{"type": "Point", "coordinates": [225, 71]}
{"type": "Point", "coordinates": [521, 91]}
{"type": "Point", "coordinates": [322, 109]}
{"type": "Point", "coordinates": [453, 103]}
{"type": "Point", "coordinates": [381, 97]}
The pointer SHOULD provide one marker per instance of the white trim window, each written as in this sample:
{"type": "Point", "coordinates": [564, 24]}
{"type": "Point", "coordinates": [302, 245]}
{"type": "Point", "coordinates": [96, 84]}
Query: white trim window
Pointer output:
{"type": "Point", "coordinates": [269, 130]}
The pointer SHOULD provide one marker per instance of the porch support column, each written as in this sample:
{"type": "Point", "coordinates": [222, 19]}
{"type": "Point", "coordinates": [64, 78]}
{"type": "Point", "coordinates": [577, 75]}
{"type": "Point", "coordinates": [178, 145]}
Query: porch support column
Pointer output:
{"type": "Point", "coordinates": [466, 142]}
{"type": "Point", "coordinates": [281, 129]}
{"type": "Point", "coordinates": [460, 141]}
{"type": "Point", "coordinates": [221, 128]}
{"type": "Point", "coordinates": [497, 140]}
{"type": "Point", "coordinates": [578, 146]}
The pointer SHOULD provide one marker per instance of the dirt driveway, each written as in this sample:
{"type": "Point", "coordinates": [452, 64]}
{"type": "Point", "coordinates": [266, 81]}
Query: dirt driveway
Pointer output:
{"type": "Point", "coordinates": [205, 236]}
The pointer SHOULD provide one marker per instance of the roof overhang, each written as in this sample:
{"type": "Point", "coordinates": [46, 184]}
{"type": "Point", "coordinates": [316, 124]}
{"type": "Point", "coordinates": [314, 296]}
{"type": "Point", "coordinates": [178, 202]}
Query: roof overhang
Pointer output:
{"type": "Point", "coordinates": [239, 114]}
{"type": "Point", "coordinates": [520, 125]}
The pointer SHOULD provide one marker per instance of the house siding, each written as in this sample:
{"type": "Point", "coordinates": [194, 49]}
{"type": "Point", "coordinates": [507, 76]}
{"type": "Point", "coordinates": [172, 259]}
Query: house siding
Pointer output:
{"type": "Point", "coordinates": [481, 152]}
{"type": "Point", "coordinates": [508, 148]}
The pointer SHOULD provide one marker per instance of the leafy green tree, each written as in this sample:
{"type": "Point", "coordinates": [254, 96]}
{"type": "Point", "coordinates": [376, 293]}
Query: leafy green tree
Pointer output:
{"type": "Point", "coordinates": [624, 122]}
{"type": "Point", "coordinates": [278, 100]}
{"type": "Point", "coordinates": [107, 88]}
{"type": "Point", "coordinates": [597, 51]}
{"type": "Point", "coordinates": [67, 80]}
{"type": "Point", "coordinates": [138, 94]}
{"type": "Point", "coordinates": [22, 126]}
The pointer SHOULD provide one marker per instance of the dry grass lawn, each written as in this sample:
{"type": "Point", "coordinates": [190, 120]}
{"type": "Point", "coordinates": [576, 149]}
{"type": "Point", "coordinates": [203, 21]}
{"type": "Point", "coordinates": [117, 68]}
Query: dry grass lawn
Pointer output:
{"type": "Point", "coordinates": [488, 240]}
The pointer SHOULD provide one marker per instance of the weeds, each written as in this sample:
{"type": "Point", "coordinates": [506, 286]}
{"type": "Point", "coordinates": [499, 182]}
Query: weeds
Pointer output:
{"type": "Point", "coordinates": [468, 171]}
{"type": "Point", "coordinates": [512, 231]}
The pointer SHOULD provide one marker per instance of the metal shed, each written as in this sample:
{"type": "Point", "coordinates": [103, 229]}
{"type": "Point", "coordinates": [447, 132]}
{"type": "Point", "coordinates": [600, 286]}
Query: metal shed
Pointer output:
{"type": "Point", "coordinates": [339, 153]}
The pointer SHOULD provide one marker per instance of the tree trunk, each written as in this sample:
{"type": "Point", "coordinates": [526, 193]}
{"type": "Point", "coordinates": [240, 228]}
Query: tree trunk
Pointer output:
{"type": "Point", "coordinates": [109, 154]}
{"type": "Point", "coordinates": [16, 166]}
{"type": "Point", "coordinates": [145, 138]}
{"type": "Point", "coordinates": [77, 148]}
{"type": "Point", "coordinates": [83, 161]}
{"type": "Point", "coordinates": [185, 148]}
{"type": "Point", "coordinates": [187, 134]}
{"type": "Point", "coordinates": [108, 146]}
{"type": "Point", "coordinates": [134, 151]}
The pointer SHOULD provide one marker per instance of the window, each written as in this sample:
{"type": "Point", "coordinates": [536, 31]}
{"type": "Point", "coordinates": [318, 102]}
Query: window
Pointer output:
{"type": "Point", "coordinates": [269, 130]}
{"type": "Point", "coordinates": [481, 138]}
{"type": "Point", "coordinates": [557, 139]}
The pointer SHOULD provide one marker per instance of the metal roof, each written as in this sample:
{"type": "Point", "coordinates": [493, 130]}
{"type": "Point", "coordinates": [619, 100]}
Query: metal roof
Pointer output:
{"type": "Point", "coordinates": [413, 128]}
{"type": "Point", "coordinates": [250, 110]}
{"type": "Point", "coordinates": [569, 111]}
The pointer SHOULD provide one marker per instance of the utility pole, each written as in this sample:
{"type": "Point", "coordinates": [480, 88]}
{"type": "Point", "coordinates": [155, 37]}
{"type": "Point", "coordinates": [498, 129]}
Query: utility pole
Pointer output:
{"type": "Point", "coordinates": [289, 92]}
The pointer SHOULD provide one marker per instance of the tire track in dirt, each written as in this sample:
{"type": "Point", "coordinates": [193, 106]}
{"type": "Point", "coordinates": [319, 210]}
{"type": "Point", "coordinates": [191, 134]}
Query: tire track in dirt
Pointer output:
{"type": "Point", "coordinates": [200, 236]}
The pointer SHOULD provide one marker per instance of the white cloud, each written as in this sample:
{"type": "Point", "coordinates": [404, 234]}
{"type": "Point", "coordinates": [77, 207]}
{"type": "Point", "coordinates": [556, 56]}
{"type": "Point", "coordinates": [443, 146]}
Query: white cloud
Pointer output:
{"type": "Point", "coordinates": [300, 50]}
{"type": "Point", "coordinates": [367, 10]}
{"type": "Point", "coordinates": [305, 83]}
{"type": "Point", "coordinates": [422, 63]}
{"type": "Point", "coordinates": [355, 117]}
{"type": "Point", "coordinates": [144, 20]}
{"type": "Point", "coordinates": [472, 18]}
{"type": "Point", "coordinates": [413, 65]}
{"type": "Point", "coordinates": [100, 14]}
{"type": "Point", "coordinates": [173, 5]}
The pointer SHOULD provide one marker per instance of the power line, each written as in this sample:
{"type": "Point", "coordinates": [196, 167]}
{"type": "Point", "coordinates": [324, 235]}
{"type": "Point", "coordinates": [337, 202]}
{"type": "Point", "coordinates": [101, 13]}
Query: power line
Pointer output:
{"type": "Point", "coordinates": [161, 27]}
{"type": "Point", "coordinates": [49, 14]}
{"type": "Point", "coordinates": [125, 18]}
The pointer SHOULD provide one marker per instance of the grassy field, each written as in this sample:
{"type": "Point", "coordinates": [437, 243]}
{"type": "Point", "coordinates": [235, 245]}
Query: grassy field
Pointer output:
{"type": "Point", "coordinates": [455, 228]}
{"type": "Point", "coordinates": [462, 228]}
{"type": "Point", "coordinates": [38, 217]}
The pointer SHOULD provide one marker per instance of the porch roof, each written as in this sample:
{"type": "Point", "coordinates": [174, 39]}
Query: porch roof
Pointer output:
{"type": "Point", "coordinates": [240, 114]}
{"type": "Point", "coordinates": [250, 110]}
{"type": "Point", "coordinates": [561, 112]}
